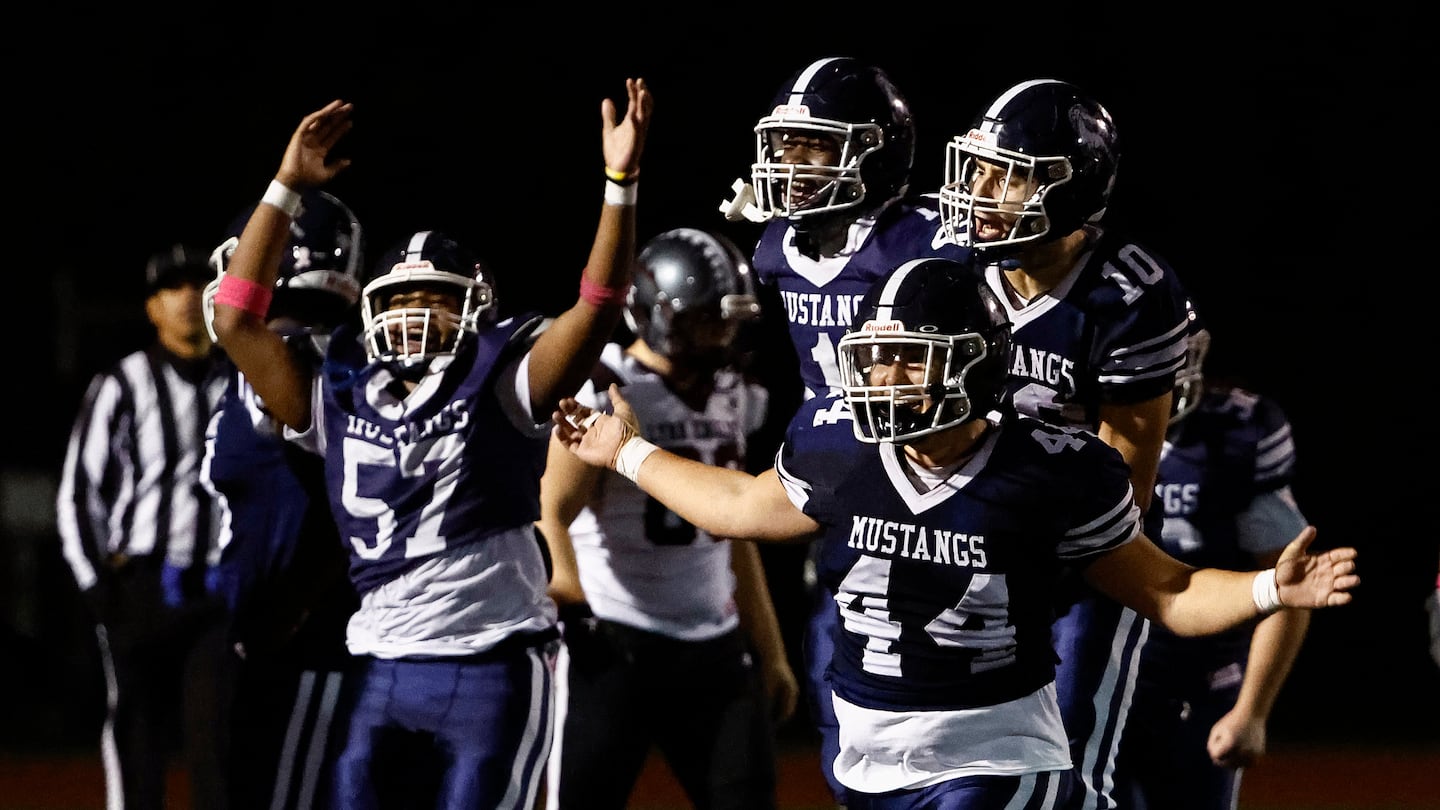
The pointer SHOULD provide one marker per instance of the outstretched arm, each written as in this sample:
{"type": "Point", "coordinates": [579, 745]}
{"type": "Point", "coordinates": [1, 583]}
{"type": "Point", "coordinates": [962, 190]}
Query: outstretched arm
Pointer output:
{"type": "Point", "coordinates": [260, 354]}
{"type": "Point", "coordinates": [566, 352]}
{"type": "Point", "coordinates": [723, 502]}
{"type": "Point", "coordinates": [1191, 601]}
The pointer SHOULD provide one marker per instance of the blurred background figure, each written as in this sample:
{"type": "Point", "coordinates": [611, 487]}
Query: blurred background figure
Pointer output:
{"type": "Point", "coordinates": [1202, 704]}
{"type": "Point", "coordinates": [671, 639]}
{"type": "Point", "coordinates": [138, 531]}
{"type": "Point", "coordinates": [283, 568]}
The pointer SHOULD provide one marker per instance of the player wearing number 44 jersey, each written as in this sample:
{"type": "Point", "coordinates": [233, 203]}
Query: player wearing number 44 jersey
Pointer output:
{"type": "Point", "coordinates": [943, 520]}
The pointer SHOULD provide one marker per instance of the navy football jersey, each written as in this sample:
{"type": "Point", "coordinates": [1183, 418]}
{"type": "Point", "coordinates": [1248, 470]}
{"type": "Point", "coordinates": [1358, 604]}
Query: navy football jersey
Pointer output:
{"type": "Point", "coordinates": [820, 296]}
{"type": "Point", "coordinates": [419, 475]}
{"type": "Point", "coordinates": [945, 594]}
{"type": "Point", "coordinates": [280, 556]}
{"type": "Point", "coordinates": [1113, 330]}
{"type": "Point", "coordinates": [1233, 447]}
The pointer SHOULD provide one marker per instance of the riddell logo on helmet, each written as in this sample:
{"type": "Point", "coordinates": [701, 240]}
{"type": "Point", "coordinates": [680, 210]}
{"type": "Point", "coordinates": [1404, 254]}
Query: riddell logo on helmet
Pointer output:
{"type": "Point", "coordinates": [792, 111]}
{"type": "Point", "coordinates": [883, 326]}
{"type": "Point", "coordinates": [987, 138]}
{"type": "Point", "coordinates": [424, 264]}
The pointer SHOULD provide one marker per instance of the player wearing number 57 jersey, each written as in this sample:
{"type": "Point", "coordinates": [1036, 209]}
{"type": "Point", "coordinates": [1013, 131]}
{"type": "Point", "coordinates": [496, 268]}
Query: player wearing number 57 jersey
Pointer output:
{"type": "Point", "coordinates": [429, 414]}
{"type": "Point", "coordinates": [943, 520]}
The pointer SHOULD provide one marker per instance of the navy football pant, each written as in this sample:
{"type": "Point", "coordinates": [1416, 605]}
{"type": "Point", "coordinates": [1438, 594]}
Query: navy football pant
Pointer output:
{"type": "Point", "coordinates": [818, 648]}
{"type": "Point", "coordinates": [1099, 643]}
{"type": "Point", "coordinates": [473, 732]}
{"type": "Point", "coordinates": [1035, 791]}
{"type": "Point", "coordinates": [1165, 762]}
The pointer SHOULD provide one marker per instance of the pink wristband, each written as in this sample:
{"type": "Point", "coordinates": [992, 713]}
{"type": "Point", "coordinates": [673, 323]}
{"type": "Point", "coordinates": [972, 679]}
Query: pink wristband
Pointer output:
{"type": "Point", "coordinates": [596, 295]}
{"type": "Point", "coordinates": [244, 294]}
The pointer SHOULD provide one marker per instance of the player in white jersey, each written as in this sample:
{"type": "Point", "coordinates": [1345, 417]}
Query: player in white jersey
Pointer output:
{"type": "Point", "coordinates": [671, 640]}
{"type": "Point", "coordinates": [945, 520]}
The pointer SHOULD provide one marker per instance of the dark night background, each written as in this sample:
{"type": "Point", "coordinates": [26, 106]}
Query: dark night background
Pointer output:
{"type": "Point", "coordinates": [1265, 157]}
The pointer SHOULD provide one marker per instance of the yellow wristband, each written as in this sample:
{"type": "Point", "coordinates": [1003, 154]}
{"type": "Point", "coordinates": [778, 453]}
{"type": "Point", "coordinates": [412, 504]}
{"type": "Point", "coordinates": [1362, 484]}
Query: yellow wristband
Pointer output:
{"type": "Point", "coordinates": [621, 178]}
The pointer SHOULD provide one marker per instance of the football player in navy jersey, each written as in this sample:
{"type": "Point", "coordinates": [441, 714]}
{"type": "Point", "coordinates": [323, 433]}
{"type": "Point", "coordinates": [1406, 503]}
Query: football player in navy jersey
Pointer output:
{"type": "Point", "coordinates": [282, 567]}
{"type": "Point", "coordinates": [831, 182]}
{"type": "Point", "coordinates": [945, 520]}
{"type": "Point", "coordinates": [1201, 704]}
{"type": "Point", "coordinates": [430, 416]}
{"type": "Point", "coordinates": [1099, 330]}
{"type": "Point", "coordinates": [671, 639]}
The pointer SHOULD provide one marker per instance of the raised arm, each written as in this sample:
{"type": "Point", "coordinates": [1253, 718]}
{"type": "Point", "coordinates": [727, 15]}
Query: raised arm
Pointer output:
{"type": "Point", "coordinates": [244, 295]}
{"type": "Point", "coordinates": [724, 502]}
{"type": "Point", "coordinates": [1192, 601]}
{"type": "Point", "coordinates": [566, 352]}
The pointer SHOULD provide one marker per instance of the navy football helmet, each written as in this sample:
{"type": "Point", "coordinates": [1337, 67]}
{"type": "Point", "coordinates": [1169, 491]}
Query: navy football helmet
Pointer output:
{"type": "Point", "coordinates": [856, 106]}
{"type": "Point", "coordinates": [692, 293]}
{"type": "Point", "coordinates": [319, 278]}
{"type": "Point", "coordinates": [446, 292]}
{"type": "Point", "coordinates": [1190, 380]}
{"type": "Point", "coordinates": [933, 314]}
{"type": "Point", "coordinates": [1052, 151]}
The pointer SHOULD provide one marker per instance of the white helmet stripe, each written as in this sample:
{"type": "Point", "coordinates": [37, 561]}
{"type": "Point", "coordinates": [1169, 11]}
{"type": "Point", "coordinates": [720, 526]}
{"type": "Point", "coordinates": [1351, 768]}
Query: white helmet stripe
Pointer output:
{"type": "Point", "coordinates": [802, 82]}
{"type": "Point", "coordinates": [886, 300]}
{"type": "Point", "coordinates": [1005, 98]}
{"type": "Point", "coordinates": [416, 246]}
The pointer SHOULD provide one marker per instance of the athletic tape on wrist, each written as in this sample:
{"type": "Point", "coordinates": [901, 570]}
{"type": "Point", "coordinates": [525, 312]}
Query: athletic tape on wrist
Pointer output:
{"type": "Point", "coordinates": [283, 197]}
{"type": "Point", "coordinates": [616, 194]}
{"type": "Point", "coordinates": [631, 455]}
{"type": "Point", "coordinates": [1265, 592]}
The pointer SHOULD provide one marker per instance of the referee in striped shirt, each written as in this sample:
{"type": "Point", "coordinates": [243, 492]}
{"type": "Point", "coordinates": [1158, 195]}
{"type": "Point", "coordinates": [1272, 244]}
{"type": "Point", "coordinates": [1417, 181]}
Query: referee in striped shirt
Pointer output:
{"type": "Point", "coordinates": [137, 529]}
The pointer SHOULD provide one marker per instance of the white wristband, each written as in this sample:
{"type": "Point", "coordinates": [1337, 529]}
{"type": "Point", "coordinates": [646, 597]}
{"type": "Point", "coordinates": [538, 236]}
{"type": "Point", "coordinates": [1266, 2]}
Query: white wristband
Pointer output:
{"type": "Point", "coordinates": [631, 455]}
{"type": "Point", "coordinates": [283, 197]}
{"type": "Point", "coordinates": [616, 194]}
{"type": "Point", "coordinates": [1265, 592]}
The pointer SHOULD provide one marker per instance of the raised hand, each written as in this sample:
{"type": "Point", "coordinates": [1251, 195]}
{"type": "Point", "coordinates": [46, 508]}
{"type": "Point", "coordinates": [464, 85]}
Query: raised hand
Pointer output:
{"type": "Point", "coordinates": [625, 140]}
{"type": "Point", "coordinates": [1307, 580]}
{"type": "Point", "coordinates": [304, 166]}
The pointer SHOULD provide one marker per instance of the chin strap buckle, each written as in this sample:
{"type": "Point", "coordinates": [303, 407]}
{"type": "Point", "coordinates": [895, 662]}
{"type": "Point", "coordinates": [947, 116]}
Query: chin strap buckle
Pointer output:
{"type": "Point", "coordinates": [743, 205]}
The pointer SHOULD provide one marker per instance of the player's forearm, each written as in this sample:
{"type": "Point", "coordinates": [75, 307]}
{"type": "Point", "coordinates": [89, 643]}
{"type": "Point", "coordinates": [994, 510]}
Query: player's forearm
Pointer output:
{"type": "Point", "coordinates": [752, 596]}
{"type": "Point", "coordinates": [1273, 648]}
{"type": "Point", "coordinates": [241, 328]}
{"type": "Point", "coordinates": [722, 501]}
{"type": "Point", "coordinates": [567, 352]}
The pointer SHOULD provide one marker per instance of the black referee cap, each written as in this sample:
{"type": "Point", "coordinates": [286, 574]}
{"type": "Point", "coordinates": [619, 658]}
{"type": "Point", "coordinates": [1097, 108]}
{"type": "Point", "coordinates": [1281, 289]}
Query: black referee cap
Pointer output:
{"type": "Point", "coordinates": [175, 266]}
